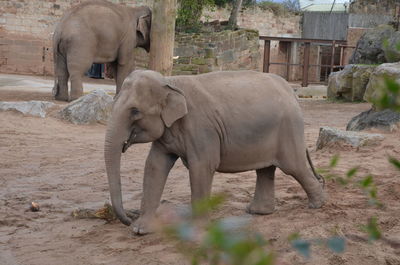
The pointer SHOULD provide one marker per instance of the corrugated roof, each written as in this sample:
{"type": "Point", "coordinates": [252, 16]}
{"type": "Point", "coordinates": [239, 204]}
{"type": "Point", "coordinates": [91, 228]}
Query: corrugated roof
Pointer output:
{"type": "Point", "coordinates": [323, 5]}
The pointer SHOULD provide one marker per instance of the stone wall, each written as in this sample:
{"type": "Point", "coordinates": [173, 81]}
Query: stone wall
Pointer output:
{"type": "Point", "coordinates": [385, 7]}
{"type": "Point", "coordinates": [207, 52]}
{"type": "Point", "coordinates": [26, 27]}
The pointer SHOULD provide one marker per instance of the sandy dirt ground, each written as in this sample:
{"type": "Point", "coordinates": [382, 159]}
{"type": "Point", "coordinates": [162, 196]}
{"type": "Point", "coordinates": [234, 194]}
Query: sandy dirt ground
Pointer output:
{"type": "Point", "coordinates": [60, 166]}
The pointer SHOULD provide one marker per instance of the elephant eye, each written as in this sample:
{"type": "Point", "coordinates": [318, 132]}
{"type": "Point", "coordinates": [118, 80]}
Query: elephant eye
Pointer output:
{"type": "Point", "coordinates": [134, 111]}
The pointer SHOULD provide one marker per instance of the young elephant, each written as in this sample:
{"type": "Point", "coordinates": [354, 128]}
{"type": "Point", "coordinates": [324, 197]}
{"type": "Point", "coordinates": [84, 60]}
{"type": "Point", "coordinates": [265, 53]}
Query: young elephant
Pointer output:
{"type": "Point", "coordinates": [97, 32]}
{"type": "Point", "coordinates": [221, 121]}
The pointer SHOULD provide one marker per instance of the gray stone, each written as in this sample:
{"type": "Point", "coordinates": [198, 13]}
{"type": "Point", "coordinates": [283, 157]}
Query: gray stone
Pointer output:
{"type": "Point", "coordinates": [391, 48]}
{"type": "Point", "coordinates": [376, 82]}
{"type": "Point", "coordinates": [33, 108]}
{"type": "Point", "coordinates": [330, 136]}
{"type": "Point", "coordinates": [350, 83]}
{"type": "Point", "coordinates": [388, 120]}
{"type": "Point", "coordinates": [369, 48]}
{"type": "Point", "coordinates": [91, 108]}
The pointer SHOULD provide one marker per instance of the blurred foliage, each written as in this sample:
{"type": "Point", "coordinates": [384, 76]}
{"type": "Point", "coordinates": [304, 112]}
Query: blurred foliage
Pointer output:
{"type": "Point", "coordinates": [389, 96]}
{"type": "Point", "coordinates": [225, 241]}
{"type": "Point", "coordinates": [231, 240]}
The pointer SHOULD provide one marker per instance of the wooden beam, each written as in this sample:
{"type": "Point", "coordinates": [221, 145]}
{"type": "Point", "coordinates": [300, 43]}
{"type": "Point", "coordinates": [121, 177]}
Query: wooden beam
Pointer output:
{"type": "Point", "coordinates": [333, 56]}
{"type": "Point", "coordinates": [306, 64]}
{"type": "Point", "coordinates": [288, 59]}
{"type": "Point", "coordinates": [301, 40]}
{"type": "Point", "coordinates": [267, 50]}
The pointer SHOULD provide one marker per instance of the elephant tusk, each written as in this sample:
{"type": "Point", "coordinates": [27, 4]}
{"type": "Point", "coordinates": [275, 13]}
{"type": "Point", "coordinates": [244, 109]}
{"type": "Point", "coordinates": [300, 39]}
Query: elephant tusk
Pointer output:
{"type": "Point", "coordinates": [129, 142]}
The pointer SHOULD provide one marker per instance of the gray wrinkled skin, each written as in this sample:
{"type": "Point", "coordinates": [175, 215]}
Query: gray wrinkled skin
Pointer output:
{"type": "Point", "coordinates": [222, 121]}
{"type": "Point", "coordinates": [97, 31]}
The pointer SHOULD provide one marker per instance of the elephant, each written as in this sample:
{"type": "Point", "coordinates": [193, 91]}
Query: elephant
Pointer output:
{"type": "Point", "coordinates": [227, 121]}
{"type": "Point", "coordinates": [97, 31]}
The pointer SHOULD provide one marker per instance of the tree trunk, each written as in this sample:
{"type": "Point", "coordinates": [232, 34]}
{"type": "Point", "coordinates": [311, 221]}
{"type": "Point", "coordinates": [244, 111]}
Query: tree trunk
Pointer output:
{"type": "Point", "coordinates": [162, 36]}
{"type": "Point", "coordinates": [237, 5]}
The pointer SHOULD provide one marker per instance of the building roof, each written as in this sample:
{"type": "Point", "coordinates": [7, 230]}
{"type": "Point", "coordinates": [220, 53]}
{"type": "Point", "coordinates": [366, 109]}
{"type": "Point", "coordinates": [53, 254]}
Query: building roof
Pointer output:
{"type": "Point", "coordinates": [324, 5]}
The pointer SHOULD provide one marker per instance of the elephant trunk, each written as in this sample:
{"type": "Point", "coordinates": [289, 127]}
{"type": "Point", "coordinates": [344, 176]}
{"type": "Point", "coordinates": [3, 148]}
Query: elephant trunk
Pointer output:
{"type": "Point", "coordinates": [112, 155]}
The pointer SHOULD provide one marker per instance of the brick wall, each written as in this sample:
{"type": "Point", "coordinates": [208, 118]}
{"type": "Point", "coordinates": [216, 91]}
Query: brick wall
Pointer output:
{"type": "Point", "coordinates": [26, 28]}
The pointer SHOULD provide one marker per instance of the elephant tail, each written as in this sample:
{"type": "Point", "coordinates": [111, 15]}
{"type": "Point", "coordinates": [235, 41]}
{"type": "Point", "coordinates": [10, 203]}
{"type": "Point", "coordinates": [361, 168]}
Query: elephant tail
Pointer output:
{"type": "Point", "coordinates": [60, 62]}
{"type": "Point", "coordinates": [319, 177]}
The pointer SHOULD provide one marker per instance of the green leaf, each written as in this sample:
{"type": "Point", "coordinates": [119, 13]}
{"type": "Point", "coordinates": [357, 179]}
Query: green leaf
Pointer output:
{"type": "Point", "coordinates": [302, 246]}
{"type": "Point", "coordinates": [334, 161]}
{"type": "Point", "coordinates": [392, 85]}
{"type": "Point", "coordinates": [394, 162]}
{"type": "Point", "coordinates": [351, 172]}
{"type": "Point", "coordinates": [372, 229]}
{"type": "Point", "coordinates": [205, 206]}
{"type": "Point", "coordinates": [366, 182]}
{"type": "Point", "coordinates": [266, 260]}
{"type": "Point", "coordinates": [342, 181]}
{"type": "Point", "coordinates": [293, 236]}
{"type": "Point", "coordinates": [336, 244]}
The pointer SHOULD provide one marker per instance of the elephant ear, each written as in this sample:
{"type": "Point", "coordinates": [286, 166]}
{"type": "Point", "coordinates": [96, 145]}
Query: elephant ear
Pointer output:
{"type": "Point", "coordinates": [143, 28]}
{"type": "Point", "coordinates": [175, 107]}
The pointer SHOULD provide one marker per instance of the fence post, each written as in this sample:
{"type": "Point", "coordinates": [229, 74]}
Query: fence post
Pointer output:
{"type": "Point", "coordinates": [333, 55]}
{"type": "Point", "coordinates": [288, 59]}
{"type": "Point", "coordinates": [267, 48]}
{"type": "Point", "coordinates": [306, 64]}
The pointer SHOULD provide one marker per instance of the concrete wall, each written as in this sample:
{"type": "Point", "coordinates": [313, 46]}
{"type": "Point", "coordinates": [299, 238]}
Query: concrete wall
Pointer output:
{"type": "Point", "coordinates": [26, 28]}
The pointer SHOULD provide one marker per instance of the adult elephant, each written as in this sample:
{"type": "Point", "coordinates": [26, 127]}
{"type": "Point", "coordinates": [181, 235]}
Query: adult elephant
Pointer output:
{"type": "Point", "coordinates": [97, 32]}
{"type": "Point", "coordinates": [221, 121]}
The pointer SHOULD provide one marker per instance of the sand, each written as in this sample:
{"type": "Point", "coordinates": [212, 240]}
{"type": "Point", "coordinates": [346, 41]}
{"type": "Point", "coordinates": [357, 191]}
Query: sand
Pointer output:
{"type": "Point", "coordinates": [61, 167]}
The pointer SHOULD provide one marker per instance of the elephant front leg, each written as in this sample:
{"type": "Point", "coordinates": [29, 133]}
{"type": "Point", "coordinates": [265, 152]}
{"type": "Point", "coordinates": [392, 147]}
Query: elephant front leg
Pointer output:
{"type": "Point", "coordinates": [157, 167]}
{"type": "Point", "coordinates": [201, 176]}
{"type": "Point", "coordinates": [264, 195]}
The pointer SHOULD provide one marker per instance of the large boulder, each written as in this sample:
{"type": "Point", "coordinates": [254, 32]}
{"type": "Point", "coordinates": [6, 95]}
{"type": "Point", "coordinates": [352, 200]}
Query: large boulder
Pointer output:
{"type": "Point", "coordinates": [350, 83]}
{"type": "Point", "coordinates": [391, 48]}
{"type": "Point", "coordinates": [332, 137]}
{"type": "Point", "coordinates": [369, 48]}
{"type": "Point", "coordinates": [33, 108]}
{"type": "Point", "coordinates": [91, 108]}
{"type": "Point", "coordinates": [387, 120]}
{"type": "Point", "coordinates": [376, 83]}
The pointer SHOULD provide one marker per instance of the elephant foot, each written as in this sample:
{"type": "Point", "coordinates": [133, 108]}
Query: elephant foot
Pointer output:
{"type": "Point", "coordinates": [142, 226]}
{"type": "Point", "coordinates": [258, 208]}
{"type": "Point", "coordinates": [61, 97]}
{"type": "Point", "coordinates": [317, 201]}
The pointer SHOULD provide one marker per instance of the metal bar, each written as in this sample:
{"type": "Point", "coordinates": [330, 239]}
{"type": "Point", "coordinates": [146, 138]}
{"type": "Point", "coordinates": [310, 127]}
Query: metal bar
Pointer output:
{"type": "Point", "coordinates": [302, 40]}
{"type": "Point", "coordinates": [304, 82]}
{"type": "Point", "coordinates": [289, 55]}
{"type": "Point", "coordinates": [333, 55]}
{"type": "Point", "coordinates": [267, 50]}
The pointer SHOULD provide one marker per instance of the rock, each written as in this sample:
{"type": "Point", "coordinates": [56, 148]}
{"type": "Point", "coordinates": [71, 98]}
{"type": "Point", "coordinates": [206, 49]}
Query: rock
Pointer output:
{"type": "Point", "coordinates": [91, 108]}
{"type": "Point", "coordinates": [369, 48]}
{"type": "Point", "coordinates": [376, 80]}
{"type": "Point", "coordinates": [33, 108]}
{"type": "Point", "coordinates": [331, 136]}
{"type": "Point", "coordinates": [391, 48]}
{"type": "Point", "coordinates": [350, 83]}
{"type": "Point", "coordinates": [388, 120]}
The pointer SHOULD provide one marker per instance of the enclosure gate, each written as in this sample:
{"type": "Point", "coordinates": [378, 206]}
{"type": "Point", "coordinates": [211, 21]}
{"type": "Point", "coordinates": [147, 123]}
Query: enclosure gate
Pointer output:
{"type": "Point", "coordinates": [335, 44]}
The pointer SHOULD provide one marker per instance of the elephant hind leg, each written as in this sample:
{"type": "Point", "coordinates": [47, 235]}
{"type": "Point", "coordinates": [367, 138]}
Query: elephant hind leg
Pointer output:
{"type": "Point", "coordinates": [313, 188]}
{"type": "Point", "coordinates": [60, 89]}
{"type": "Point", "coordinates": [264, 195]}
{"type": "Point", "coordinates": [78, 63]}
